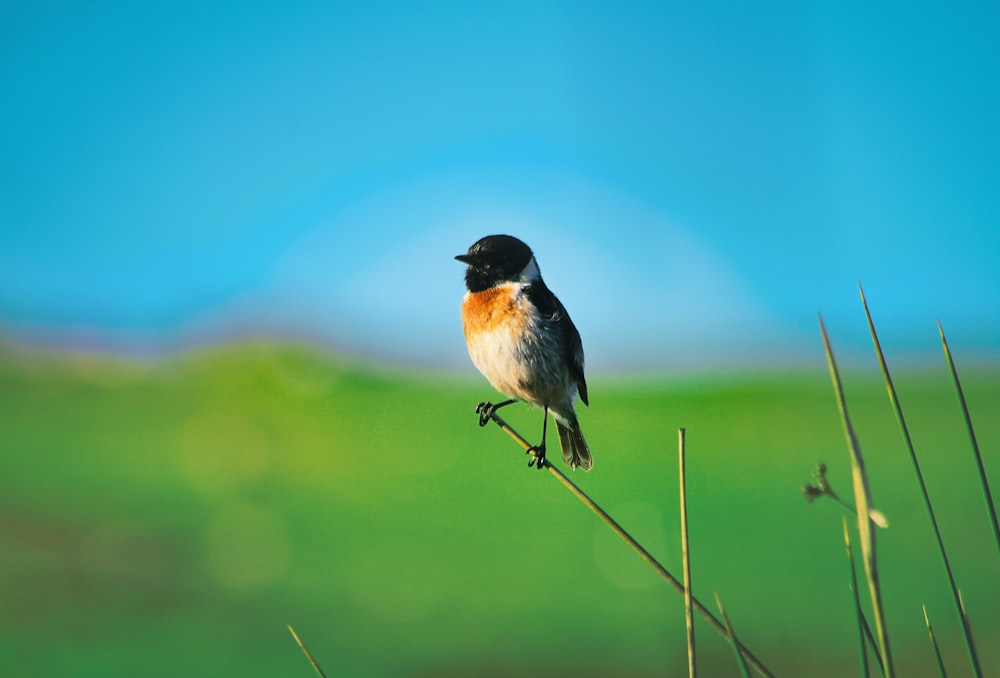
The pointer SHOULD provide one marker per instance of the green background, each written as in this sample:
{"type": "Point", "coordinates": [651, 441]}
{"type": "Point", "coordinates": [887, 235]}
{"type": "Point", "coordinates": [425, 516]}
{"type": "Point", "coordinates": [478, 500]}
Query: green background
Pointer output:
{"type": "Point", "coordinates": [171, 518]}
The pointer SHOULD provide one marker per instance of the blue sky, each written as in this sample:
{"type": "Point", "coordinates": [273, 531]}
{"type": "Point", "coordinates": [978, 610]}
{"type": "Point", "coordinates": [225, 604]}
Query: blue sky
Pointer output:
{"type": "Point", "coordinates": [697, 180]}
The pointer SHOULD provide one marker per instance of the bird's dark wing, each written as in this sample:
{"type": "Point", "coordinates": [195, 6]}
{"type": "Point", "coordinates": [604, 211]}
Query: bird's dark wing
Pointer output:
{"type": "Point", "coordinates": [552, 310]}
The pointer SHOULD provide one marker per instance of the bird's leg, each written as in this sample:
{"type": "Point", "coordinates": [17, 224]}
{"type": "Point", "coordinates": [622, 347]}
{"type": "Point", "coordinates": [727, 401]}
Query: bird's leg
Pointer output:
{"type": "Point", "coordinates": [485, 410]}
{"type": "Point", "coordinates": [538, 451]}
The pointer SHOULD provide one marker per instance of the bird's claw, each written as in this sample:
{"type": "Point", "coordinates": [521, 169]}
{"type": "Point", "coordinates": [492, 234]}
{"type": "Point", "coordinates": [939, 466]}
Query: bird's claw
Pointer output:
{"type": "Point", "coordinates": [485, 412]}
{"type": "Point", "coordinates": [537, 457]}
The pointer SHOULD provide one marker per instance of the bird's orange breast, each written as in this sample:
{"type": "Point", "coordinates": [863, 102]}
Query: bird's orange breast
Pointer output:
{"type": "Point", "coordinates": [491, 310]}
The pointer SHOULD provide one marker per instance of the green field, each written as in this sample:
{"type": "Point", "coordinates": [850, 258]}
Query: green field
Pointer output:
{"type": "Point", "coordinates": [172, 518]}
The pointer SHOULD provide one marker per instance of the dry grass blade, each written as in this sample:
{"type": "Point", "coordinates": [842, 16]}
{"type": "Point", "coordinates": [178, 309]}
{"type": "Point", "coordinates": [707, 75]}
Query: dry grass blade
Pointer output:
{"type": "Point", "coordinates": [686, 555]}
{"type": "Point", "coordinates": [859, 613]}
{"type": "Point", "coordinates": [863, 503]}
{"type": "Point", "coordinates": [866, 638]}
{"type": "Point", "coordinates": [744, 669]}
{"type": "Point", "coordinates": [873, 644]}
{"type": "Point", "coordinates": [757, 665]}
{"type": "Point", "coordinates": [308, 654]}
{"type": "Point", "coordinates": [898, 409]}
{"type": "Point", "coordinates": [991, 508]}
{"type": "Point", "coordinates": [934, 645]}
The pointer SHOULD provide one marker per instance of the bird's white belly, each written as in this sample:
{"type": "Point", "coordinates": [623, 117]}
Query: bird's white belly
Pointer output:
{"type": "Point", "coordinates": [499, 354]}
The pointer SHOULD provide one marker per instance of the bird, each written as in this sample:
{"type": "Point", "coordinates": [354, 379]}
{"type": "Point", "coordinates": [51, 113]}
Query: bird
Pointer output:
{"type": "Point", "coordinates": [521, 338]}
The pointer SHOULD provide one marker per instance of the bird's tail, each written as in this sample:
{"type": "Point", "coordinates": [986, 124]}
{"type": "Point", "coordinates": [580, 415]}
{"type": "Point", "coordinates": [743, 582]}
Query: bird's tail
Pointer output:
{"type": "Point", "coordinates": [574, 447]}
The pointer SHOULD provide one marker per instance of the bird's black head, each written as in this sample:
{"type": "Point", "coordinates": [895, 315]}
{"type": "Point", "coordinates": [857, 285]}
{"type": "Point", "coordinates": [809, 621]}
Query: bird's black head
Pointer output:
{"type": "Point", "coordinates": [496, 259]}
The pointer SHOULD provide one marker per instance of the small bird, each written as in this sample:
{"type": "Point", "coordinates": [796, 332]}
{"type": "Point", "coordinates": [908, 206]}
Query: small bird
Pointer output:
{"type": "Point", "coordinates": [522, 339]}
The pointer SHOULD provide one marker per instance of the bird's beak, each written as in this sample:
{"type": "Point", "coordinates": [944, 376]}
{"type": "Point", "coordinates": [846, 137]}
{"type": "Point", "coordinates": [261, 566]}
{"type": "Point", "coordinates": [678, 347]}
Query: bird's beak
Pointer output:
{"type": "Point", "coordinates": [466, 259]}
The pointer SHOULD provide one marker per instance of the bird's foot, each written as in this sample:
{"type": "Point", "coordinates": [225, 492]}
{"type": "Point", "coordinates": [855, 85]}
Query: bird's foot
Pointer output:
{"type": "Point", "coordinates": [485, 411]}
{"type": "Point", "coordinates": [538, 459]}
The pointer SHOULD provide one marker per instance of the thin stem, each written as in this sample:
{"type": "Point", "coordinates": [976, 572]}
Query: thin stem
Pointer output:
{"type": "Point", "coordinates": [934, 645]}
{"type": "Point", "coordinates": [643, 553]}
{"type": "Point", "coordinates": [991, 508]}
{"type": "Point", "coordinates": [741, 660]}
{"type": "Point", "coordinates": [309, 656]}
{"type": "Point", "coordinates": [859, 613]}
{"type": "Point", "coordinates": [873, 644]}
{"type": "Point", "coordinates": [965, 615]}
{"type": "Point", "coordinates": [686, 555]}
{"type": "Point", "coordinates": [898, 409]}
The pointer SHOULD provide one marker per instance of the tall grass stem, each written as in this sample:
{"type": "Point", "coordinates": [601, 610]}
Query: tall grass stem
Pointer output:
{"type": "Point", "coordinates": [686, 555]}
{"type": "Point", "coordinates": [898, 409]}
{"type": "Point", "coordinates": [991, 508]}
{"type": "Point", "coordinates": [859, 613]}
{"type": "Point", "coordinates": [863, 501]}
